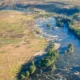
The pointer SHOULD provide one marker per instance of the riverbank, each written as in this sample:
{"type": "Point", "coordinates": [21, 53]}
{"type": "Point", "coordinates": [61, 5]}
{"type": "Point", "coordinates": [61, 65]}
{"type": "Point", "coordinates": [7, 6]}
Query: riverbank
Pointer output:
{"type": "Point", "coordinates": [64, 37]}
{"type": "Point", "coordinates": [40, 64]}
{"type": "Point", "coordinates": [72, 24]}
{"type": "Point", "coordinates": [75, 28]}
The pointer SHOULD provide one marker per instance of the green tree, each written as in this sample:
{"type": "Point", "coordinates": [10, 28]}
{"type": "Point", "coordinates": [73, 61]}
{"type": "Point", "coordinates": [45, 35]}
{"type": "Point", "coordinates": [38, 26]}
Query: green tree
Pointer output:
{"type": "Point", "coordinates": [32, 68]}
{"type": "Point", "coordinates": [23, 76]}
{"type": "Point", "coordinates": [70, 48]}
{"type": "Point", "coordinates": [27, 73]}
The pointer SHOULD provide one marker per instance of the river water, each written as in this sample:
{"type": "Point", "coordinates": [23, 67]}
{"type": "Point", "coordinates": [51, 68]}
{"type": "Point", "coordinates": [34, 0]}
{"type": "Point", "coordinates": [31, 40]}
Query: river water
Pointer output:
{"type": "Point", "coordinates": [68, 65]}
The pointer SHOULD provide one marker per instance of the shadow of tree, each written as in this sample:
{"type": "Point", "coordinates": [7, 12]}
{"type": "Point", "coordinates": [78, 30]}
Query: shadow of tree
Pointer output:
{"type": "Point", "coordinates": [25, 66]}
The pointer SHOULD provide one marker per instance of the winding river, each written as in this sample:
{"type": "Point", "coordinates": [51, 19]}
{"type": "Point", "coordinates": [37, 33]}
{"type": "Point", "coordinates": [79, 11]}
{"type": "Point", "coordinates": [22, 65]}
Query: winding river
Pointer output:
{"type": "Point", "coordinates": [68, 65]}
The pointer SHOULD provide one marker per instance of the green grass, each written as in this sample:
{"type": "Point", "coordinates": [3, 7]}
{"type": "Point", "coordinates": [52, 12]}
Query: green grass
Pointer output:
{"type": "Point", "coordinates": [5, 41]}
{"type": "Point", "coordinates": [10, 27]}
{"type": "Point", "coordinates": [10, 33]}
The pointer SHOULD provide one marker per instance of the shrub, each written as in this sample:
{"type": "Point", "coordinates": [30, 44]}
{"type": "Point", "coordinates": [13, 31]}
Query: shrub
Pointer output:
{"type": "Point", "coordinates": [23, 76]}
{"type": "Point", "coordinates": [51, 47]}
{"type": "Point", "coordinates": [53, 67]}
{"type": "Point", "coordinates": [52, 44]}
{"type": "Point", "coordinates": [70, 48]}
{"type": "Point", "coordinates": [27, 73]}
{"type": "Point", "coordinates": [50, 58]}
{"type": "Point", "coordinates": [45, 62]}
{"type": "Point", "coordinates": [59, 22]}
{"type": "Point", "coordinates": [32, 68]}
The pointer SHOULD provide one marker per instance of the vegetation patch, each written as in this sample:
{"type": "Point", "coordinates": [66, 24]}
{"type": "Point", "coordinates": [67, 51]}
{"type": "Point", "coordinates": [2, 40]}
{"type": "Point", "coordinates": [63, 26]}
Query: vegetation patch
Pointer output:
{"type": "Point", "coordinates": [73, 25]}
{"type": "Point", "coordinates": [60, 21]}
{"type": "Point", "coordinates": [70, 48]}
{"type": "Point", "coordinates": [45, 62]}
{"type": "Point", "coordinates": [75, 28]}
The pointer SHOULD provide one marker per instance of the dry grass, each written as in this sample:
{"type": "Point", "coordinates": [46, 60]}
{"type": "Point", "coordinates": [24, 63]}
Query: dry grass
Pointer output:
{"type": "Point", "coordinates": [12, 56]}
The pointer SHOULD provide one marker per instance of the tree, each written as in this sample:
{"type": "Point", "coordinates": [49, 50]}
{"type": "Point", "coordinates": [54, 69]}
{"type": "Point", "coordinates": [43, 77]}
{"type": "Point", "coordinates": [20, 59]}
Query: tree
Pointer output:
{"type": "Point", "coordinates": [32, 68]}
{"type": "Point", "coordinates": [70, 48]}
{"type": "Point", "coordinates": [50, 58]}
{"type": "Point", "coordinates": [52, 44]}
{"type": "Point", "coordinates": [23, 76]}
{"type": "Point", "coordinates": [27, 73]}
{"type": "Point", "coordinates": [51, 47]}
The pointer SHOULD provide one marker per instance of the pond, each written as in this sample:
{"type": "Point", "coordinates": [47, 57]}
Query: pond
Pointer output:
{"type": "Point", "coordinates": [68, 65]}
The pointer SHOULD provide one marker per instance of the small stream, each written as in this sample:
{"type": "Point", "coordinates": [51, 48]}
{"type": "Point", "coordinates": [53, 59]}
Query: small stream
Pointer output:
{"type": "Point", "coordinates": [68, 65]}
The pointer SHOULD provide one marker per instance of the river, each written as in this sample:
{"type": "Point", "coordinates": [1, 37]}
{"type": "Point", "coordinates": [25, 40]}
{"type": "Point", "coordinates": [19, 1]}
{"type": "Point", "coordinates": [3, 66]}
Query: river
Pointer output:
{"type": "Point", "coordinates": [68, 65]}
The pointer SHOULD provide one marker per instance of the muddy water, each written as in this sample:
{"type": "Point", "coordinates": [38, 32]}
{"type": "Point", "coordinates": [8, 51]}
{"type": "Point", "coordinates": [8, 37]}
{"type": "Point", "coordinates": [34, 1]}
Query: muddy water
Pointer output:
{"type": "Point", "coordinates": [68, 65]}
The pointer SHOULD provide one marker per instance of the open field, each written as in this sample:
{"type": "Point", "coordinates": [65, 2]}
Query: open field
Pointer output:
{"type": "Point", "coordinates": [17, 42]}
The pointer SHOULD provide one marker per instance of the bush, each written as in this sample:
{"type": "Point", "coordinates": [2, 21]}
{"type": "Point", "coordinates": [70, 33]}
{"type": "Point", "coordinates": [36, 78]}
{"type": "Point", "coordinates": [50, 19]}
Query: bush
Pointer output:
{"type": "Point", "coordinates": [70, 48]}
{"type": "Point", "coordinates": [27, 73]}
{"type": "Point", "coordinates": [51, 56]}
{"type": "Point", "coordinates": [52, 44]}
{"type": "Point", "coordinates": [45, 62]}
{"type": "Point", "coordinates": [51, 47]}
{"type": "Point", "coordinates": [32, 68]}
{"type": "Point", "coordinates": [53, 67]}
{"type": "Point", "coordinates": [23, 76]}
{"type": "Point", "coordinates": [59, 22]}
{"type": "Point", "coordinates": [63, 20]}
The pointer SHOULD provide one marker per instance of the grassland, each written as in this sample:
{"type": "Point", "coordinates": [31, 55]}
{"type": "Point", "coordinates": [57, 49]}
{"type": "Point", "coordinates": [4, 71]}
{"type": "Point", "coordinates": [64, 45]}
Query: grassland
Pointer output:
{"type": "Point", "coordinates": [17, 42]}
